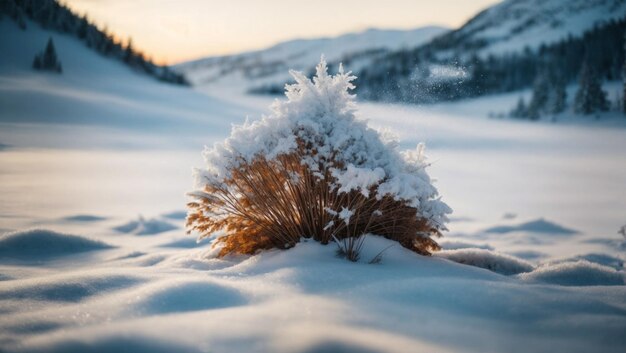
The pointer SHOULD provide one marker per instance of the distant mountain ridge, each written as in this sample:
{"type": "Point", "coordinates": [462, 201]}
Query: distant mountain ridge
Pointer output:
{"type": "Point", "coordinates": [504, 48]}
{"type": "Point", "coordinates": [433, 64]}
{"type": "Point", "coordinates": [272, 64]}
{"type": "Point", "coordinates": [513, 25]}
{"type": "Point", "coordinates": [507, 47]}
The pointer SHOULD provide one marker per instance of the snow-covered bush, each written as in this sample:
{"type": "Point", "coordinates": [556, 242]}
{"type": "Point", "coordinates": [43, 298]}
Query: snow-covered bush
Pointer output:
{"type": "Point", "coordinates": [312, 169]}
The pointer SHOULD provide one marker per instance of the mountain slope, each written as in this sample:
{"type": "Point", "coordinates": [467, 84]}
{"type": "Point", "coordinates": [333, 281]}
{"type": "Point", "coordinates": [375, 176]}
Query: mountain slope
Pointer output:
{"type": "Point", "coordinates": [55, 16]}
{"type": "Point", "coordinates": [272, 64]}
{"type": "Point", "coordinates": [515, 24]}
{"type": "Point", "coordinates": [96, 100]}
{"type": "Point", "coordinates": [501, 49]}
{"type": "Point", "coordinates": [505, 48]}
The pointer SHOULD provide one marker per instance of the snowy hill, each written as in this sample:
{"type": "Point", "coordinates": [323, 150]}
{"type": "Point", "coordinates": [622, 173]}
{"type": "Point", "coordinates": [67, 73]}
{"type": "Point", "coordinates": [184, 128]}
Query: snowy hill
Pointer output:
{"type": "Point", "coordinates": [55, 16]}
{"type": "Point", "coordinates": [270, 65]}
{"type": "Point", "coordinates": [504, 48]}
{"type": "Point", "coordinates": [431, 64]}
{"type": "Point", "coordinates": [515, 24]}
{"type": "Point", "coordinates": [93, 93]}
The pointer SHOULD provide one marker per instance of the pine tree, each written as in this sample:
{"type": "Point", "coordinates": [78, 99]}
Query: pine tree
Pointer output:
{"type": "Point", "coordinates": [558, 97]}
{"type": "Point", "coordinates": [81, 31]}
{"type": "Point", "coordinates": [520, 110]}
{"type": "Point", "coordinates": [129, 52]}
{"type": "Point", "coordinates": [37, 62]}
{"type": "Point", "coordinates": [539, 100]}
{"type": "Point", "coordinates": [53, 14]}
{"type": "Point", "coordinates": [48, 59]}
{"type": "Point", "coordinates": [590, 97]}
{"type": "Point", "coordinates": [624, 78]}
{"type": "Point", "coordinates": [106, 47]}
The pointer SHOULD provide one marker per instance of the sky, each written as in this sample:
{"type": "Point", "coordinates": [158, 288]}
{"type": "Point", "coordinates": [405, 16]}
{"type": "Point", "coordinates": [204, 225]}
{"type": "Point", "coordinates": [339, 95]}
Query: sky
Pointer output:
{"type": "Point", "coordinates": [173, 31]}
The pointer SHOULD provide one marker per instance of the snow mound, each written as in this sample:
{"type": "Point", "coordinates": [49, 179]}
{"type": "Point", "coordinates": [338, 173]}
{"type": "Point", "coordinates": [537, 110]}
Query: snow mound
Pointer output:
{"type": "Point", "coordinates": [130, 255]}
{"type": "Point", "coordinates": [45, 243]}
{"type": "Point", "coordinates": [579, 273]}
{"type": "Point", "coordinates": [176, 215]}
{"type": "Point", "coordinates": [614, 262]}
{"type": "Point", "coordinates": [490, 260]}
{"type": "Point", "coordinates": [144, 226]}
{"type": "Point", "coordinates": [612, 243]}
{"type": "Point", "coordinates": [67, 288]}
{"type": "Point", "coordinates": [84, 218]}
{"type": "Point", "coordinates": [111, 343]}
{"type": "Point", "coordinates": [536, 226]}
{"type": "Point", "coordinates": [145, 260]}
{"type": "Point", "coordinates": [529, 254]}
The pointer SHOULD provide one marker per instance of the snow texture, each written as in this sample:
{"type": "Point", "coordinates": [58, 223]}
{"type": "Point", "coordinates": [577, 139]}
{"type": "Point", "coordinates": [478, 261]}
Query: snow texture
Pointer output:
{"type": "Point", "coordinates": [185, 243]}
{"type": "Point", "coordinates": [345, 215]}
{"type": "Point", "coordinates": [487, 259]}
{"type": "Point", "coordinates": [74, 287]}
{"type": "Point", "coordinates": [305, 294]}
{"type": "Point", "coordinates": [579, 273]}
{"type": "Point", "coordinates": [615, 262]}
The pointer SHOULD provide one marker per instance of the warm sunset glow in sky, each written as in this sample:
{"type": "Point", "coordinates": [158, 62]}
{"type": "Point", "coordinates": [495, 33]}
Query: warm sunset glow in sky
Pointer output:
{"type": "Point", "coordinates": [177, 30]}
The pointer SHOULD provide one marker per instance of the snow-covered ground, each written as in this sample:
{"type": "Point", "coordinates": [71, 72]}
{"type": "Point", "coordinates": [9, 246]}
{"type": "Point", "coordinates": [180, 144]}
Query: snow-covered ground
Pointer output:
{"type": "Point", "coordinates": [94, 256]}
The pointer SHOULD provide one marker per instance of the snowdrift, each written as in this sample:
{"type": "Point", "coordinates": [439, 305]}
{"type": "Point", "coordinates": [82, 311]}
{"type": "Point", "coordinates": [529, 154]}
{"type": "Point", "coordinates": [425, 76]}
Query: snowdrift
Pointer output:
{"type": "Point", "coordinates": [42, 243]}
{"type": "Point", "coordinates": [615, 262]}
{"type": "Point", "coordinates": [487, 259]}
{"type": "Point", "coordinates": [143, 226]}
{"type": "Point", "coordinates": [84, 218]}
{"type": "Point", "coordinates": [302, 300]}
{"type": "Point", "coordinates": [73, 287]}
{"type": "Point", "coordinates": [537, 226]}
{"type": "Point", "coordinates": [579, 273]}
